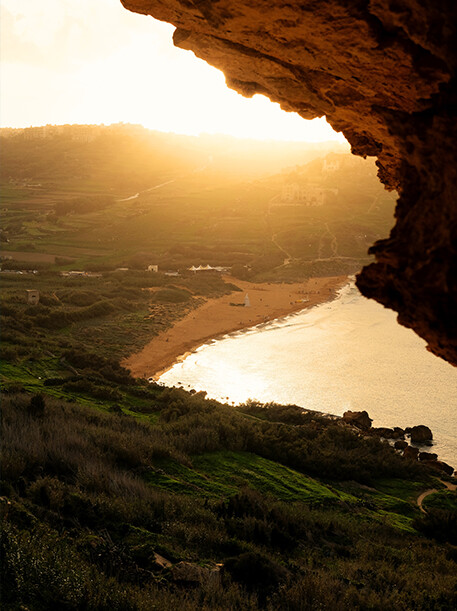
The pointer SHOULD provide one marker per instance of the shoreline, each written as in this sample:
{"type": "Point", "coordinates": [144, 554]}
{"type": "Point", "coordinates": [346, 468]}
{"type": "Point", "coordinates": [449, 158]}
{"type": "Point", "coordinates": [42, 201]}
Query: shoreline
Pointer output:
{"type": "Point", "coordinates": [221, 316]}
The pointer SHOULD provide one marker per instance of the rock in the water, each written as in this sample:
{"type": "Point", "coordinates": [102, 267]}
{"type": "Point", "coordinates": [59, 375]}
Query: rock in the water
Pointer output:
{"type": "Point", "coordinates": [421, 434]}
{"type": "Point", "coordinates": [410, 452]}
{"type": "Point", "coordinates": [359, 419]}
{"type": "Point", "coordinates": [427, 456]}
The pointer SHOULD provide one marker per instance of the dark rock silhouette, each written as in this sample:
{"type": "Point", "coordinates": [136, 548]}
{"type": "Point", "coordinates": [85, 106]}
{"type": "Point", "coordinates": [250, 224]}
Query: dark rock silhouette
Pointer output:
{"type": "Point", "coordinates": [384, 432]}
{"type": "Point", "coordinates": [439, 465]}
{"type": "Point", "coordinates": [399, 433]}
{"type": "Point", "coordinates": [384, 74]}
{"type": "Point", "coordinates": [421, 434]}
{"type": "Point", "coordinates": [427, 456]}
{"type": "Point", "coordinates": [359, 419]}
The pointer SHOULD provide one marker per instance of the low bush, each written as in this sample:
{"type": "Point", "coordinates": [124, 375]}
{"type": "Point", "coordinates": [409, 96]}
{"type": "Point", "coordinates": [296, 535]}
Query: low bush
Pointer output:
{"type": "Point", "coordinates": [439, 524]}
{"type": "Point", "coordinates": [83, 523]}
{"type": "Point", "coordinates": [170, 295]}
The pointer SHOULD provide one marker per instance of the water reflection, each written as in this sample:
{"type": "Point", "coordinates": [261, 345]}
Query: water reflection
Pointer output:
{"type": "Point", "coordinates": [347, 354]}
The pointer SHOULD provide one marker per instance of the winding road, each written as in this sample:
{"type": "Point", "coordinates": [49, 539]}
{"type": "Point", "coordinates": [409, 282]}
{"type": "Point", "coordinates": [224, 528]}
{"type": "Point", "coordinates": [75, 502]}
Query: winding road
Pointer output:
{"type": "Point", "coordinates": [423, 495]}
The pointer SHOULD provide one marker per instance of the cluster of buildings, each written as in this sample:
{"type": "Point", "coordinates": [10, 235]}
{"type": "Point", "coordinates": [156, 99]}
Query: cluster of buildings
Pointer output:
{"type": "Point", "coordinates": [305, 195]}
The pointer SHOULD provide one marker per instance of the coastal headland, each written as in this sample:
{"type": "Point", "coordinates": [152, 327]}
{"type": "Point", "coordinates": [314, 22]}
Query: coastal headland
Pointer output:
{"type": "Point", "coordinates": [219, 316]}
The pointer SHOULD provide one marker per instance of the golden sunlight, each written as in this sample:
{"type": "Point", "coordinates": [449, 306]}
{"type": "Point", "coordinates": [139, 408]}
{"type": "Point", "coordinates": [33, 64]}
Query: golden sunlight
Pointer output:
{"type": "Point", "coordinates": [98, 63]}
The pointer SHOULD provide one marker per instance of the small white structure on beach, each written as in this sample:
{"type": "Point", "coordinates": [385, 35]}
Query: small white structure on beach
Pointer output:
{"type": "Point", "coordinates": [247, 301]}
{"type": "Point", "coordinates": [153, 268]}
{"type": "Point", "coordinates": [207, 268]}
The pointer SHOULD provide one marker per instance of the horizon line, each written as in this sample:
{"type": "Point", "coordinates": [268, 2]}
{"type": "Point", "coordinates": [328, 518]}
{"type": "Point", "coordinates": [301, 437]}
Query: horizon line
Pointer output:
{"type": "Point", "coordinates": [188, 135]}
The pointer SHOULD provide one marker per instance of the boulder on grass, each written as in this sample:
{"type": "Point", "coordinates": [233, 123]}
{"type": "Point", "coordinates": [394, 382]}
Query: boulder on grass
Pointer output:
{"type": "Point", "coordinates": [359, 419]}
{"type": "Point", "coordinates": [160, 563]}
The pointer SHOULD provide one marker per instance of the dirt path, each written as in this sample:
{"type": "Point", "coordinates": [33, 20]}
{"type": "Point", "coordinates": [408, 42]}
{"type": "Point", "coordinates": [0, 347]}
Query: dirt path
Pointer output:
{"type": "Point", "coordinates": [288, 258]}
{"type": "Point", "coordinates": [420, 499]}
{"type": "Point", "coordinates": [333, 244]}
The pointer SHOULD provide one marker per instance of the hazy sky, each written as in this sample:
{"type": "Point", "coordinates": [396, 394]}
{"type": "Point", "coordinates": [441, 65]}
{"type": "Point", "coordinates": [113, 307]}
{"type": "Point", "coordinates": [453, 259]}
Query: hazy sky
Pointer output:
{"type": "Point", "coordinates": [91, 61]}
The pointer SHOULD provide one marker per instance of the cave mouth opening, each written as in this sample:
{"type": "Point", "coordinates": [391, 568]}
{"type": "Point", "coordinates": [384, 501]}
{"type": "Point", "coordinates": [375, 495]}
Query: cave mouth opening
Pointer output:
{"type": "Point", "coordinates": [385, 77]}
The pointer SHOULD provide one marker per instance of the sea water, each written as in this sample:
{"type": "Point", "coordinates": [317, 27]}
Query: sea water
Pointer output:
{"type": "Point", "coordinates": [347, 354]}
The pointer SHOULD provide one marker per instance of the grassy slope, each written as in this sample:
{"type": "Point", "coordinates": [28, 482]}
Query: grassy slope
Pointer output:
{"type": "Point", "coordinates": [112, 472]}
{"type": "Point", "coordinates": [226, 213]}
{"type": "Point", "coordinates": [96, 495]}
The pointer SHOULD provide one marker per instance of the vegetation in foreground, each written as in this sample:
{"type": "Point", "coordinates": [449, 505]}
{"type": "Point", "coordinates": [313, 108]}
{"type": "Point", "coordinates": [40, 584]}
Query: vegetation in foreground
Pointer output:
{"type": "Point", "coordinates": [120, 495]}
{"type": "Point", "coordinates": [194, 503]}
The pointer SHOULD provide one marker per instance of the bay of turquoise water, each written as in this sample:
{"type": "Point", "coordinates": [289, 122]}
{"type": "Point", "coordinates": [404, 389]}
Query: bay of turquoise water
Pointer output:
{"type": "Point", "coordinates": [346, 354]}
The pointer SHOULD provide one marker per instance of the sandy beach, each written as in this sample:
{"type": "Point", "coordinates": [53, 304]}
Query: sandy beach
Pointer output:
{"type": "Point", "coordinates": [217, 317]}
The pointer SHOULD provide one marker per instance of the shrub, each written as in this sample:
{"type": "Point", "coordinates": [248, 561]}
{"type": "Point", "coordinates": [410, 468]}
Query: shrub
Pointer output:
{"type": "Point", "coordinates": [37, 406]}
{"type": "Point", "coordinates": [255, 571]}
{"type": "Point", "coordinates": [79, 298]}
{"type": "Point", "coordinates": [170, 295]}
{"type": "Point", "coordinates": [439, 524]}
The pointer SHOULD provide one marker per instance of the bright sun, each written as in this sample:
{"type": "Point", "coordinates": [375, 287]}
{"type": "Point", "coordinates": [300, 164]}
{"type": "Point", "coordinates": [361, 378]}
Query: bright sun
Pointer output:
{"type": "Point", "coordinates": [86, 62]}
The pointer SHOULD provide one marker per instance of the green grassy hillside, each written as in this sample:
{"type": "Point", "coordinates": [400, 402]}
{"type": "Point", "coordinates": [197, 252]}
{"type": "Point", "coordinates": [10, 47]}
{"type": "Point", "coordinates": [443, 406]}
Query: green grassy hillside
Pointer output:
{"type": "Point", "coordinates": [129, 197]}
{"type": "Point", "coordinates": [101, 507]}
{"type": "Point", "coordinates": [118, 495]}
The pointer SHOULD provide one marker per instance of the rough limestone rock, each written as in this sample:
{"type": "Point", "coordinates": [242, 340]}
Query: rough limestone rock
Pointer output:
{"type": "Point", "coordinates": [359, 419]}
{"type": "Point", "coordinates": [160, 563]}
{"type": "Point", "coordinates": [384, 73]}
{"type": "Point", "coordinates": [186, 572]}
{"type": "Point", "coordinates": [421, 434]}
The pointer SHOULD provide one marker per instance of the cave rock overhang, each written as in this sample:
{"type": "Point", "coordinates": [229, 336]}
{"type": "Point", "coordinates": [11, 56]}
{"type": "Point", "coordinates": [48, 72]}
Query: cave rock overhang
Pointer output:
{"type": "Point", "coordinates": [383, 73]}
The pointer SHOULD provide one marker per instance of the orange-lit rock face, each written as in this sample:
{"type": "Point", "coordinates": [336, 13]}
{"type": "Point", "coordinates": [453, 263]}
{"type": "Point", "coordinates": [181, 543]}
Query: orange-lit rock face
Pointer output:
{"type": "Point", "coordinates": [383, 72]}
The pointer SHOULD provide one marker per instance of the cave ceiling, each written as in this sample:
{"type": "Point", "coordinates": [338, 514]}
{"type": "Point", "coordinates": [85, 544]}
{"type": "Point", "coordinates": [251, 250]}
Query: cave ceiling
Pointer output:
{"type": "Point", "coordinates": [383, 73]}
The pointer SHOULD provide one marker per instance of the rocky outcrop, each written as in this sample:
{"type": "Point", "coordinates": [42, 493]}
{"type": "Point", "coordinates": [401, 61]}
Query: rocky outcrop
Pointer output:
{"type": "Point", "coordinates": [193, 574]}
{"type": "Point", "coordinates": [427, 456]}
{"type": "Point", "coordinates": [159, 563]}
{"type": "Point", "coordinates": [387, 433]}
{"type": "Point", "coordinates": [439, 465]}
{"type": "Point", "coordinates": [359, 419]}
{"type": "Point", "coordinates": [383, 73]}
{"type": "Point", "coordinates": [421, 434]}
